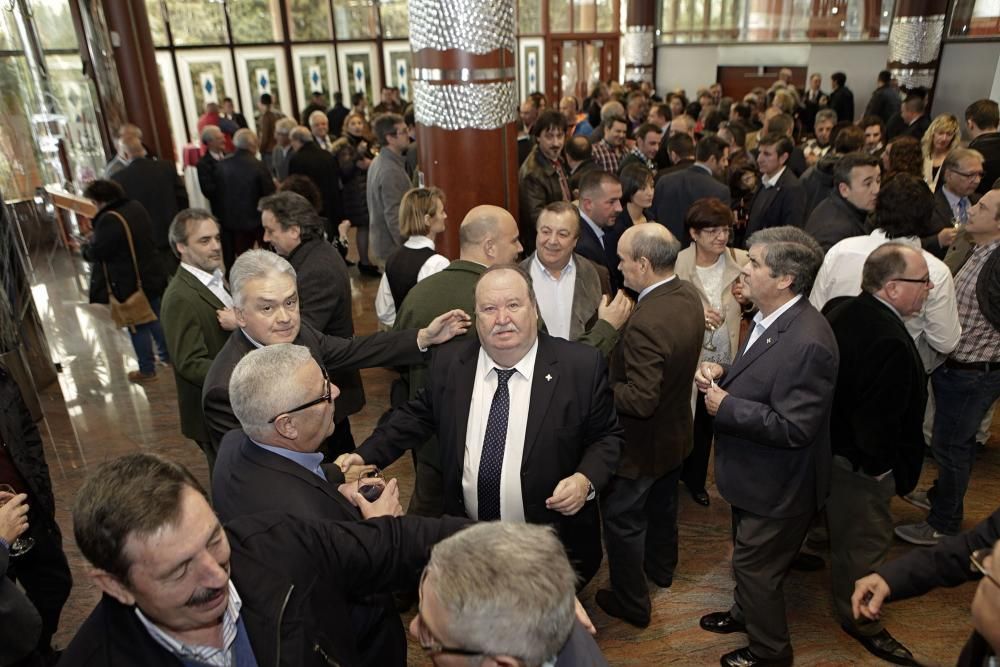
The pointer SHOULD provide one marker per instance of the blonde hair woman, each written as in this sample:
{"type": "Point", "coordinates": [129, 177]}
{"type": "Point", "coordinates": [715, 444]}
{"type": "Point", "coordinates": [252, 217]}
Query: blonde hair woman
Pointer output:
{"type": "Point", "coordinates": [941, 137]}
{"type": "Point", "coordinates": [421, 218]}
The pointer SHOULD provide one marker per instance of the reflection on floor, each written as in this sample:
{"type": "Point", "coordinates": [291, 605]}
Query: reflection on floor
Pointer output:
{"type": "Point", "coordinates": [95, 414]}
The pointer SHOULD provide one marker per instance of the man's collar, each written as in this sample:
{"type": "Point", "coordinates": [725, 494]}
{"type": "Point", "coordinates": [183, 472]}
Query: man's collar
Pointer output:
{"type": "Point", "coordinates": [778, 312]}
{"type": "Point", "coordinates": [704, 166]}
{"type": "Point", "coordinates": [645, 292]}
{"type": "Point", "coordinates": [204, 277]}
{"type": "Point", "coordinates": [545, 269]}
{"type": "Point", "coordinates": [593, 225]}
{"type": "Point", "coordinates": [230, 618]}
{"type": "Point", "coordinates": [525, 366]}
{"type": "Point", "coordinates": [251, 339]}
{"type": "Point", "coordinates": [771, 181]}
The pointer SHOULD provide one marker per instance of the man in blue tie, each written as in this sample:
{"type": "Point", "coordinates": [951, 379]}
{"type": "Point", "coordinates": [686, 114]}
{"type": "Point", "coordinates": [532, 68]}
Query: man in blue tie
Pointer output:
{"type": "Point", "coordinates": [525, 421]}
{"type": "Point", "coordinates": [961, 173]}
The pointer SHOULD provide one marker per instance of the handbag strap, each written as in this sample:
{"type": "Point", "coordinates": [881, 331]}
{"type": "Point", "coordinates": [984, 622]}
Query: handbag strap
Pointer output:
{"type": "Point", "coordinates": [131, 249]}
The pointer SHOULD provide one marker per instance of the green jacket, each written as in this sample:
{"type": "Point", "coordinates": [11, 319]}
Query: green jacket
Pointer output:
{"type": "Point", "coordinates": [194, 337]}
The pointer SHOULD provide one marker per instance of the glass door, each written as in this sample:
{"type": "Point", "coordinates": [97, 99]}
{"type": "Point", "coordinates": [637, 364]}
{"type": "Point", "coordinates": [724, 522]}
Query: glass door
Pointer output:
{"type": "Point", "coordinates": [577, 64]}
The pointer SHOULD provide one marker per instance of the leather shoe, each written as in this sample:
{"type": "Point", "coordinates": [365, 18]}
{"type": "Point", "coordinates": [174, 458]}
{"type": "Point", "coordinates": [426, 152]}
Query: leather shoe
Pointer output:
{"type": "Point", "coordinates": [721, 622]}
{"type": "Point", "coordinates": [884, 646]}
{"type": "Point", "coordinates": [662, 582]}
{"type": "Point", "coordinates": [701, 497]}
{"type": "Point", "coordinates": [609, 603]}
{"type": "Point", "coordinates": [744, 657]}
{"type": "Point", "coordinates": [805, 562]}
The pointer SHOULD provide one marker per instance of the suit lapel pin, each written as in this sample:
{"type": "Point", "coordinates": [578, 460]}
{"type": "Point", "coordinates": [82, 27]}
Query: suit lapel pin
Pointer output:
{"type": "Point", "coordinates": [548, 378]}
{"type": "Point", "coordinates": [768, 341]}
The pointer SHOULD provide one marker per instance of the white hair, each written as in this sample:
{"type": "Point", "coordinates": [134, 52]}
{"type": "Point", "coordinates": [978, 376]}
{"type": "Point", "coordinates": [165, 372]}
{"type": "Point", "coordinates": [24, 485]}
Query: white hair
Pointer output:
{"type": "Point", "coordinates": [256, 264]}
{"type": "Point", "coordinates": [263, 384]}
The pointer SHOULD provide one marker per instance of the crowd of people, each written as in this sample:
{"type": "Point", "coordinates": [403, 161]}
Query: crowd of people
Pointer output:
{"type": "Point", "coordinates": [813, 294]}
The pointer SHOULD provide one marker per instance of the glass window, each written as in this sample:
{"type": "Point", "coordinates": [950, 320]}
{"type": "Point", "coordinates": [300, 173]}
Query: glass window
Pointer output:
{"type": "Point", "coordinates": [54, 23]}
{"type": "Point", "coordinates": [309, 20]}
{"type": "Point", "coordinates": [254, 21]}
{"type": "Point", "coordinates": [20, 161]}
{"type": "Point", "coordinates": [262, 76]}
{"type": "Point", "coordinates": [315, 75]}
{"type": "Point", "coordinates": [529, 17]}
{"type": "Point", "coordinates": [559, 14]}
{"type": "Point", "coordinates": [354, 19]}
{"type": "Point", "coordinates": [157, 26]}
{"type": "Point", "coordinates": [975, 18]}
{"type": "Point", "coordinates": [197, 22]}
{"type": "Point", "coordinates": [605, 15]}
{"type": "Point", "coordinates": [75, 103]}
{"type": "Point", "coordinates": [207, 74]}
{"type": "Point", "coordinates": [584, 16]}
{"type": "Point", "coordinates": [395, 19]}
{"type": "Point", "coordinates": [10, 39]}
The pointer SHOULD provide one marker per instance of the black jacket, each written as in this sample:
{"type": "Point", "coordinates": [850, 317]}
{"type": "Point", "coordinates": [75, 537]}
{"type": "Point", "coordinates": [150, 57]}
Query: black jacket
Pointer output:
{"type": "Point", "coordinates": [297, 579]}
{"type": "Point", "coordinates": [884, 103]}
{"type": "Point", "coordinates": [243, 180]}
{"type": "Point", "coordinates": [675, 193]}
{"type": "Point", "coordinates": [783, 204]}
{"type": "Point", "coordinates": [989, 145]}
{"type": "Point", "coordinates": [941, 217]}
{"type": "Point", "coordinates": [834, 220]}
{"type": "Point", "coordinates": [354, 198]}
{"type": "Point", "coordinates": [156, 185]}
{"type": "Point", "coordinates": [818, 181]}
{"type": "Point", "coordinates": [208, 180]}
{"type": "Point", "coordinates": [324, 171]}
{"type": "Point", "coordinates": [110, 246]}
{"type": "Point", "coordinates": [841, 100]}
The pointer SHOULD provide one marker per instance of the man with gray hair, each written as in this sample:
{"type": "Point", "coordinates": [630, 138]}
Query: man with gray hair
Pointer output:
{"type": "Point", "coordinates": [266, 304]}
{"type": "Point", "coordinates": [650, 375]}
{"type": "Point", "coordinates": [772, 447]}
{"type": "Point", "coordinates": [213, 144]}
{"type": "Point", "coordinates": [322, 168]}
{"type": "Point", "coordinates": [282, 153]}
{"type": "Point", "coordinates": [506, 591]}
{"type": "Point", "coordinates": [320, 127]}
{"type": "Point", "coordinates": [243, 180]}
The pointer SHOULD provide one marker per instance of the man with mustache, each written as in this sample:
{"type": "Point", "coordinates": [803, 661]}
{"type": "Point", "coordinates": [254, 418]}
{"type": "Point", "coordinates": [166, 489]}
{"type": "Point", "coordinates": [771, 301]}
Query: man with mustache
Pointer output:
{"type": "Point", "coordinates": [196, 314]}
{"type": "Point", "coordinates": [526, 424]}
{"type": "Point", "coordinates": [269, 589]}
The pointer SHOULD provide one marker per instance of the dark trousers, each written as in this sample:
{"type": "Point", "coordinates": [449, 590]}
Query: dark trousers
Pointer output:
{"type": "Point", "coordinates": [44, 574]}
{"type": "Point", "coordinates": [860, 524]}
{"type": "Point", "coordinates": [235, 243]}
{"type": "Point", "coordinates": [581, 536]}
{"type": "Point", "coordinates": [695, 470]}
{"type": "Point", "coordinates": [145, 335]}
{"type": "Point", "coordinates": [763, 552]}
{"type": "Point", "coordinates": [640, 534]}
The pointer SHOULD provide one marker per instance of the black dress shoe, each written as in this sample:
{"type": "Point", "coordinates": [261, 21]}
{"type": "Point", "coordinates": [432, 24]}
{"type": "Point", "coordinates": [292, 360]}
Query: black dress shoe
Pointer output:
{"type": "Point", "coordinates": [884, 646]}
{"type": "Point", "coordinates": [608, 601]}
{"type": "Point", "coordinates": [721, 622]}
{"type": "Point", "coordinates": [804, 562]}
{"type": "Point", "coordinates": [744, 657]}
{"type": "Point", "coordinates": [701, 497]}
{"type": "Point", "coordinates": [369, 270]}
{"type": "Point", "coordinates": [662, 582]}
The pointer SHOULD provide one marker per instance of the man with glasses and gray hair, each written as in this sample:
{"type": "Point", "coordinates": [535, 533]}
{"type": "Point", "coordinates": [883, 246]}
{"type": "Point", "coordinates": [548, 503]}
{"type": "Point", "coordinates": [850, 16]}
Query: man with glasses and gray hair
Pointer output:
{"type": "Point", "coordinates": [282, 153]}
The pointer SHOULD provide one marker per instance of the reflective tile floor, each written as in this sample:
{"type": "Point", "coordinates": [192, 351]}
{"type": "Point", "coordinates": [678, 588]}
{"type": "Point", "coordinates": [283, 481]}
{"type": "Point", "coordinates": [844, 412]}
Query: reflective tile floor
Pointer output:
{"type": "Point", "coordinates": [94, 414]}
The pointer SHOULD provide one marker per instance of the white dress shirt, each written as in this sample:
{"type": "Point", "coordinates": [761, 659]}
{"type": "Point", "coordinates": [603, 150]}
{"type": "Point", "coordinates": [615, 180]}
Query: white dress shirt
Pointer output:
{"type": "Point", "coordinates": [519, 386]}
{"type": "Point", "coordinates": [385, 306]}
{"type": "Point", "coordinates": [771, 181]}
{"type": "Point", "coordinates": [554, 295]}
{"type": "Point", "coordinates": [213, 281]}
{"type": "Point", "coordinates": [594, 226]}
{"type": "Point", "coordinates": [935, 329]}
{"type": "Point", "coordinates": [652, 287]}
{"type": "Point", "coordinates": [761, 323]}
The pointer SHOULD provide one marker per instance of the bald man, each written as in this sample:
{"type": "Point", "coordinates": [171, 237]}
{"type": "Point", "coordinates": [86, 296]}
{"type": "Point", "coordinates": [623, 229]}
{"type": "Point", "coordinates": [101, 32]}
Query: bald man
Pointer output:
{"type": "Point", "coordinates": [488, 235]}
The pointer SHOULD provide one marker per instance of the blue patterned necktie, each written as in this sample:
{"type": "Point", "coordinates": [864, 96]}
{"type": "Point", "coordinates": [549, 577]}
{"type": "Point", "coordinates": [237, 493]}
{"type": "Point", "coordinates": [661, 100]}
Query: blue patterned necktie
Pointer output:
{"type": "Point", "coordinates": [491, 461]}
{"type": "Point", "coordinates": [963, 210]}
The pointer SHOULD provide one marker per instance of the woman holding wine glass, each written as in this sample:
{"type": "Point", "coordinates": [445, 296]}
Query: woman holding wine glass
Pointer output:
{"type": "Point", "coordinates": [713, 267]}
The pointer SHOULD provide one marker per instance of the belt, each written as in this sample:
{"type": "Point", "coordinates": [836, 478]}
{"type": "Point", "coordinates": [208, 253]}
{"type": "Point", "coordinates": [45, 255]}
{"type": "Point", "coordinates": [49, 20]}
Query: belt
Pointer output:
{"type": "Point", "coordinates": [984, 366]}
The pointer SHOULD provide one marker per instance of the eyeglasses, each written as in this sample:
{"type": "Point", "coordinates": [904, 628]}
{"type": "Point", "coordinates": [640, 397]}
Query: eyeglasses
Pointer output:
{"type": "Point", "coordinates": [428, 641]}
{"type": "Point", "coordinates": [716, 231]}
{"type": "Point", "coordinates": [977, 562]}
{"type": "Point", "coordinates": [923, 281]}
{"type": "Point", "coordinates": [968, 174]}
{"type": "Point", "coordinates": [327, 397]}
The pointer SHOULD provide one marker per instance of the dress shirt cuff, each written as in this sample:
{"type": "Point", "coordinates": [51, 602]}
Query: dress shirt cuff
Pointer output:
{"type": "Point", "coordinates": [4, 545]}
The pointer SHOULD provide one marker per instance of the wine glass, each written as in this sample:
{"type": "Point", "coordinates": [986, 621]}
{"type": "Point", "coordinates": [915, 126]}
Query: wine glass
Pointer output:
{"type": "Point", "coordinates": [22, 544]}
{"type": "Point", "coordinates": [371, 484]}
{"type": "Point", "coordinates": [710, 330]}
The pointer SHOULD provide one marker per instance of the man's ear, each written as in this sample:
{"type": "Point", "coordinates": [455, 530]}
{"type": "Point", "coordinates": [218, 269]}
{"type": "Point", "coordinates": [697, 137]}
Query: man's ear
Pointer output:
{"type": "Point", "coordinates": [240, 319]}
{"type": "Point", "coordinates": [110, 584]}
{"type": "Point", "coordinates": [285, 426]}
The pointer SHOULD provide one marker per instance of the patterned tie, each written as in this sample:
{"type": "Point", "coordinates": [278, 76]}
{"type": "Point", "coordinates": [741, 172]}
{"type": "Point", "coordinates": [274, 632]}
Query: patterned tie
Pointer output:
{"type": "Point", "coordinates": [563, 181]}
{"type": "Point", "coordinates": [491, 461]}
{"type": "Point", "coordinates": [963, 210]}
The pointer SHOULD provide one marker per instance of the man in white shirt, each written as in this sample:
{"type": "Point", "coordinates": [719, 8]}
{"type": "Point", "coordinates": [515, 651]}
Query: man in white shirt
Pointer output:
{"type": "Point", "coordinates": [197, 316]}
{"type": "Point", "coordinates": [320, 127]}
{"type": "Point", "coordinates": [900, 212]}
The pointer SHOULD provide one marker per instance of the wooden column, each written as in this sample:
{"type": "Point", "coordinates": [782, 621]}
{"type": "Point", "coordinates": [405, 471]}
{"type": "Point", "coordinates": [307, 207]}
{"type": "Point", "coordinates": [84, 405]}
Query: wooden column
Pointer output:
{"type": "Point", "coordinates": [915, 42]}
{"type": "Point", "coordinates": [639, 47]}
{"type": "Point", "coordinates": [465, 104]}
{"type": "Point", "coordinates": [135, 61]}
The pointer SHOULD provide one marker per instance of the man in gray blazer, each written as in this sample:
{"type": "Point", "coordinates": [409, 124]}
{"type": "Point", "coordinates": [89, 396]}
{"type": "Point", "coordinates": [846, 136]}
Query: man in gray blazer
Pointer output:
{"type": "Point", "coordinates": [772, 410]}
{"type": "Point", "coordinates": [676, 191]}
{"type": "Point", "coordinates": [387, 183]}
{"type": "Point", "coordinates": [281, 155]}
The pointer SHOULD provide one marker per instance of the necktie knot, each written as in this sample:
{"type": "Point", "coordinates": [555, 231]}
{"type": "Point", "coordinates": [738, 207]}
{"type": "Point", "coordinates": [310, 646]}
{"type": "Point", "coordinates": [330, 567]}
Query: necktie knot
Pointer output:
{"type": "Point", "coordinates": [503, 376]}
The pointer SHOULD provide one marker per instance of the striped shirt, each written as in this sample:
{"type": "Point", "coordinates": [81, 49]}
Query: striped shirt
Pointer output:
{"type": "Point", "coordinates": [607, 157]}
{"type": "Point", "coordinates": [207, 655]}
{"type": "Point", "coordinates": [980, 340]}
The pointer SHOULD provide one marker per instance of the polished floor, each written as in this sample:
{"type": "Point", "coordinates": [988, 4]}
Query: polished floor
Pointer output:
{"type": "Point", "coordinates": [94, 414]}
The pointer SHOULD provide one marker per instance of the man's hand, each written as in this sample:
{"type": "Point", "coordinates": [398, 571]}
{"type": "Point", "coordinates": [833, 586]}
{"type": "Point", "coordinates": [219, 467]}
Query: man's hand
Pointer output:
{"type": "Point", "coordinates": [869, 594]}
{"type": "Point", "coordinates": [713, 318]}
{"type": "Point", "coordinates": [347, 461]}
{"type": "Point", "coordinates": [707, 373]}
{"type": "Point", "coordinates": [584, 618]}
{"type": "Point", "coordinates": [570, 494]}
{"type": "Point", "coordinates": [615, 311]}
{"type": "Point", "coordinates": [713, 398]}
{"type": "Point", "coordinates": [443, 328]}
{"type": "Point", "coordinates": [13, 516]}
{"type": "Point", "coordinates": [386, 505]}
{"type": "Point", "coordinates": [947, 236]}
{"type": "Point", "coordinates": [227, 319]}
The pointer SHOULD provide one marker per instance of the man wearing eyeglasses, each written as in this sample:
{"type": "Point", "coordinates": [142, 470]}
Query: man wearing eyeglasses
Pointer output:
{"type": "Point", "coordinates": [876, 427]}
{"type": "Point", "coordinates": [968, 382]}
{"type": "Point", "coordinates": [387, 183]}
{"type": "Point", "coordinates": [962, 172]}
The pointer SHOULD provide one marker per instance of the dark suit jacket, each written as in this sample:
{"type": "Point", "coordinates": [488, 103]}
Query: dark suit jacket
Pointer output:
{"type": "Point", "coordinates": [651, 371]}
{"type": "Point", "coordinates": [772, 433]}
{"type": "Point", "coordinates": [834, 220]}
{"type": "Point", "coordinates": [194, 338]}
{"type": "Point", "coordinates": [323, 169]}
{"type": "Point", "coordinates": [580, 650]}
{"type": "Point", "coordinates": [685, 163]}
{"type": "Point", "coordinates": [884, 103]}
{"type": "Point", "coordinates": [379, 349]}
{"type": "Point", "coordinates": [590, 247]}
{"type": "Point", "coordinates": [941, 218]}
{"type": "Point", "coordinates": [208, 181]}
{"type": "Point", "coordinates": [109, 245]}
{"type": "Point", "coordinates": [917, 128]}
{"type": "Point", "coordinates": [989, 145]}
{"type": "Point", "coordinates": [841, 100]}
{"type": "Point", "coordinates": [676, 192]}
{"type": "Point", "coordinates": [783, 204]}
{"type": "Point", "coordinates": [246, 480]}
{"type": "Point", "coordinates": [572, 427]}
{"type": "Point", "coordinates": [878, 407]}
{"type": "Point", "coordinates": [243, 180]}
{"type": "Point", "coordinates": [156, 185]}
{"type": "Point", "coordinates": [325, 303]}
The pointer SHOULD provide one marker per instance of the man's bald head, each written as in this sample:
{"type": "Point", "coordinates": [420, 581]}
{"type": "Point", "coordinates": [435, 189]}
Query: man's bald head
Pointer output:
{"type": "Point", "coordinates": [648, 254]}
{"type": "Point", "coordinates": [488, 235]}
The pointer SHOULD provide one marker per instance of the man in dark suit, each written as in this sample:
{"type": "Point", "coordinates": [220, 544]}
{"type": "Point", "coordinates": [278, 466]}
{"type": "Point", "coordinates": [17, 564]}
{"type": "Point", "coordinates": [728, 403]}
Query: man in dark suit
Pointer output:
{"type": "Point", "coordinates": [961, 173]}
{"type": "Point", "coordinates": [266, 305]}
{"type": "Point", "coordinates": [295, 232]}
{"type": "Point", "coordinates": [230, 113]}
{"type": "Point", "coordinates": [650, 375]}
{"type": "Point", "coordinates": [322, 169]}
{"type": "Point", "coordinates": [844, 212]}
{"type": "Point", "coordinates": [676, 153]}
{"type": "Point", "coordinates": [213, 142]}
{"type": "Point", "coordinates": [981, 120]}
{"type": "Point", "coordinates": [196, 314]}
{"type": "Point", "coordinates": [841, 97]}
{"type": "Point", "coordinates": [772, 429]}
{"type": "Point", "coordinates": [518, 401]}
{"type": "Point", "coordinates": [243, 180]}
{"type": "Point", "coordinates": [885, 100]}
{"type": "Point", "coordinates": [337, 114]}
{"type": "Point", "coordinates": [156, 185]}
{"type": "Point", "coordinates": [913, 113]}
{"type": "Point", "coordinates": [780, 199]}
{"type": "Point", "coordinates": [531, 624]}
{"type": "Point", "coordinates": [676, 192]}
{"type": "Point", "coordinates": [600, 203]}
{"type": "Point", "coordinates": [877, 427]}
{"type": "Point", "coordinates": [811, 101]}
